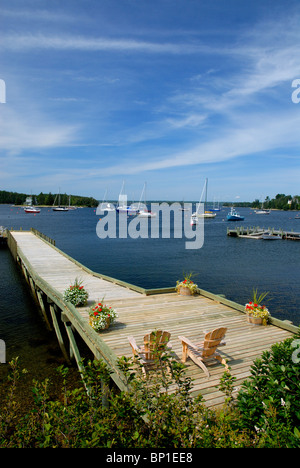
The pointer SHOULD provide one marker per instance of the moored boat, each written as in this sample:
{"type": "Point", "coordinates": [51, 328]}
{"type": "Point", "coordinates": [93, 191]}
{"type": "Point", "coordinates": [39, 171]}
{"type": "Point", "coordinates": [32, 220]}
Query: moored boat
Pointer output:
{"type": "Point", "coordinates": [206, 213]}
{"type": "Point", "coordinates": [31, 209]}
{"type": "Point", "coordinates": [233, 215]}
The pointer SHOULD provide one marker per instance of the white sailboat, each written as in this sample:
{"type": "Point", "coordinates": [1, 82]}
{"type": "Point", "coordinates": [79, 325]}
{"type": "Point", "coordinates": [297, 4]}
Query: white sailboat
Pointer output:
{"type": "Point", "coordinates": [142, 207]}
{"type": "Point", "coordinates": [105, 206]}
{"type": "Point", "coordinates": [71, 207]}
{"type": "Point", "coordinates": [58, 207]}
{"type": "Point", "coordinates": [205, 214]}
{"type": "Point", "coordinates": [122, 205]}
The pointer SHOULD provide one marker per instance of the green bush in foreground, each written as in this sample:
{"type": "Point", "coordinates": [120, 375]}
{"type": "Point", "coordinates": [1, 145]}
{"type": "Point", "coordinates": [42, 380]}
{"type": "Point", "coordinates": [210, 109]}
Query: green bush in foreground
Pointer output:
{"type": "Point", "coordinates": [266, 412]}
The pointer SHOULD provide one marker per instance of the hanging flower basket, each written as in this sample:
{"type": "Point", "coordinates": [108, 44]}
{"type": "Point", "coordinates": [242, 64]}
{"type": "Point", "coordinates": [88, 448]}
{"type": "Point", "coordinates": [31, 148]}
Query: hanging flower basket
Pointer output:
{"type": "Point", "coordinates": [101, 316]}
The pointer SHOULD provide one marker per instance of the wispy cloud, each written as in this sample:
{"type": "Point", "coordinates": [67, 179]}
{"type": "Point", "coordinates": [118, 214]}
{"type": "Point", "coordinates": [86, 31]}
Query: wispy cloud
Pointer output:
{"type": "Point", "coordinates": [35, 131]}
{"type": "Point", "coordinates": [131, 102]}
{"type": "Point", "coordinates": [25, 42]}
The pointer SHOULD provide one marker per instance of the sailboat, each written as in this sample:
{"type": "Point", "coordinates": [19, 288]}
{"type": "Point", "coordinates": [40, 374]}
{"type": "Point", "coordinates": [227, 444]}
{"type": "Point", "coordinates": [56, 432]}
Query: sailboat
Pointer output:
{"type": "Point", "coordinates": [142, 207]}
{"type": "Point", "coordinates": [59, 208]}
{"type": "Point", "coordinates": [105, 206]}
{"type": "Point", "coordinates": [215, 207]}
{"type": "Point", "coordinates": [122, 205]}
{"type": "Point", "coordinates": [206, 214]}
{"type": "Point", "coordinates": [70, 207]}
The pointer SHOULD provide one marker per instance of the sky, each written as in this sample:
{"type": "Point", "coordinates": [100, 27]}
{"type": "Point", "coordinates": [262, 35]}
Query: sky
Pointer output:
{"type": "Point", "coordinates": [94, 93]}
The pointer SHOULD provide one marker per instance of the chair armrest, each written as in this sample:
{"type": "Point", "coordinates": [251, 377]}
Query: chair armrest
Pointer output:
{"type": "Point", "coordinates": [133, 344]}
{"type": "Point", "coordinates": [185, 340]}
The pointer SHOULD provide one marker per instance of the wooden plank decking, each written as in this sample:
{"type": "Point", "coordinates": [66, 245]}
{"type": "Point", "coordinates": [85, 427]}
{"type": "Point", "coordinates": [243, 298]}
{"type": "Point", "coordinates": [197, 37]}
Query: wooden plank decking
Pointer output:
{"type": "Point", "coordinates": [139, 313]}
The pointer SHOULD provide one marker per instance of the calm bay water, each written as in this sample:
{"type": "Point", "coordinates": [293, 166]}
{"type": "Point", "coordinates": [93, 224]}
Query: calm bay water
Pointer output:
{"type": "Point", "coordinates": [223, 265]}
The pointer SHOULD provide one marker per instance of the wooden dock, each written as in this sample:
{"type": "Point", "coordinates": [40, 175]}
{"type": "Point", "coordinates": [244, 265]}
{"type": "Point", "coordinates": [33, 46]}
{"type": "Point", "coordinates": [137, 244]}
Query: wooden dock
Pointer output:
{"type": "Point", "coordinates": [49, 272]}
{"type": "Point", "coordinates": [257, 232]}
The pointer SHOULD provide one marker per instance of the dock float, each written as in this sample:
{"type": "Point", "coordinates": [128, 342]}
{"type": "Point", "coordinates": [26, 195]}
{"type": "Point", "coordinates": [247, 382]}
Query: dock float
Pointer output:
{"type": "Point", "coordinates": [262, 233]}
{"type": "Point", "coordinates": [49, 271]}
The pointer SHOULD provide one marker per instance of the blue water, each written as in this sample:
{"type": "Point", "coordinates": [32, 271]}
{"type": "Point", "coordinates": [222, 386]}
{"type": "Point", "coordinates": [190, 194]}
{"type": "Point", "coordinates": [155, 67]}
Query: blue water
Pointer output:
{"type": "Point", "coordinates": [224, 265]}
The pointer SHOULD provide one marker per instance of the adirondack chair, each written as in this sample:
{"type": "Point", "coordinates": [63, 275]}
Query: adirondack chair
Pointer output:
{"type": "Point", "coordinates": [206, 351]}
{"type": "Point", "coordinates": [155, 343]}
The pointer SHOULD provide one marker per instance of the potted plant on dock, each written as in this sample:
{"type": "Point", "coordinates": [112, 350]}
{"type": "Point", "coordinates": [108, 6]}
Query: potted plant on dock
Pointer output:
{"type": "Point", "coordinates": [76, 294]}
{"type": "Point", "coordinates": [186, 287]}
{"type": "Point", "coordinates": [257, 314]}
{"type": "Point", "coordinates": [101, 316]}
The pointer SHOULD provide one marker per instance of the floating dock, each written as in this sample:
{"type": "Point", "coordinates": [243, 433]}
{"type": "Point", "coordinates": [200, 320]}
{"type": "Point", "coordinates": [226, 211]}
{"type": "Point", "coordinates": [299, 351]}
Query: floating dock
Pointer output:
{"type": "Point", "coordinates": [262, 233]}
{"type": "Point", "coordinates": [49, 271]}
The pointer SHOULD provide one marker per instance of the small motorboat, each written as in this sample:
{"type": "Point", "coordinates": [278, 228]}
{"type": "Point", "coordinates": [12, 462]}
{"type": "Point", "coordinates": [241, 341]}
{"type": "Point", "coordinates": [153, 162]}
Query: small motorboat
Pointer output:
{"type": "Point", "coordinates": [31, 209]}
{"type": "Point", "coordinates": [262, 211]}
{"type": "Point", "coordinates": [270, 236]}
{"type": "Point", "coordinates": [146, 214]}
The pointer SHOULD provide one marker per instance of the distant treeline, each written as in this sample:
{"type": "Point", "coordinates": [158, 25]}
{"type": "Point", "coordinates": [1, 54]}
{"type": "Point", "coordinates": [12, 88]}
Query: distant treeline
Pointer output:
{"type": "Point", "coordinates": [280, 202]}
{"type": "Point", "coordinates": [14, 198]}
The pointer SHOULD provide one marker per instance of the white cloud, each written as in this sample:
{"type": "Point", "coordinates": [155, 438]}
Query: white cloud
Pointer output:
{"type": "Point", "coordinates": [22, 131]}
{"type": "Point", "coordinates": [25, 42]}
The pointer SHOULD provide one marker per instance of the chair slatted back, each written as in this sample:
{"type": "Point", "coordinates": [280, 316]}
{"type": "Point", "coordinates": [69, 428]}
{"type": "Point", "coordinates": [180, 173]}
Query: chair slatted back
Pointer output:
{"type": "Point", "coordinates": [155, 343]}
{"type": "Point", "coordinates": [212, 340]}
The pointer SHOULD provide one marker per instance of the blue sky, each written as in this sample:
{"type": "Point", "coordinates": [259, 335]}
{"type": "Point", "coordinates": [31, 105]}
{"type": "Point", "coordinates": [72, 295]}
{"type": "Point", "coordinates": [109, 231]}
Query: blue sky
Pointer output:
{"type": "Point", "coordinates": [165, 92]}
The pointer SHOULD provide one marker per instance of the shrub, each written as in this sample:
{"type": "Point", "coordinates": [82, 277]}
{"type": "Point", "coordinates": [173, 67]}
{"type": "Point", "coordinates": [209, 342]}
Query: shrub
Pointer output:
{"type": "Point", "coordinates": [269, 401]}
{"type": "Point", "coordinates": [157, 411]}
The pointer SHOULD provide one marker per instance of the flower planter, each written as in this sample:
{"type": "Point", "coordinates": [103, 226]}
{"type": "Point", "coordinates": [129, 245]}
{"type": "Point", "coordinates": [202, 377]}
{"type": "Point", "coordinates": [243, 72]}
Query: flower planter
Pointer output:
{"type": "Point", "coordinates": [184, 291]}
{"type": "Point", "coordinates": [101, 316]}
{"type": "Point", "coordinates": [257, 314]}
{"type": "Point", "coordinates": [94, 322]}
{"type": "Point", "coordinates": [76, 294]}
{"type": "Point", "coordinates": [254, 320]}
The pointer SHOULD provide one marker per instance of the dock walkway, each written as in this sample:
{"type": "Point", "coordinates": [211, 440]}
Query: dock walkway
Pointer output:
{"type": "Point", "coordinates": [49, 272]}
{"type": "Point", "coordinates": [257, 232]}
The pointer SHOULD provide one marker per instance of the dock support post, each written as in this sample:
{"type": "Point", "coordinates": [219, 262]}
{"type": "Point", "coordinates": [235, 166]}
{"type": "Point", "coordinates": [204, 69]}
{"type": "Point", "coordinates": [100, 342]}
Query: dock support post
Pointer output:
{"type": "Point", "coordinates": [58, 334]}
{"type": "Point", "coordinates": [43, 309]}
{"type": "Point", "coordinates": [75, 350]}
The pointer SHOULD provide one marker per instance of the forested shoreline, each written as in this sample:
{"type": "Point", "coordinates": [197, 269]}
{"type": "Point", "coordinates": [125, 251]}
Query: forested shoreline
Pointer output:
{"type": "Point", "coordinates": [46, 199]}
{"type": "Point", "coordinates": [280, 202]}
